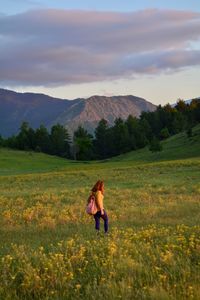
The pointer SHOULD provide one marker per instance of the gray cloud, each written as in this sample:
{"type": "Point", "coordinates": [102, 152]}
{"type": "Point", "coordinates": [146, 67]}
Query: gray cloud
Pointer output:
{"type": "Point", "coordinates": [54, 47]}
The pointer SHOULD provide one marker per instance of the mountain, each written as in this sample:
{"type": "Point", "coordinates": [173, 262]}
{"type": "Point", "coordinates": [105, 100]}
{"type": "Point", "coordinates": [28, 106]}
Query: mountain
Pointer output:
{"type": "Point", "coordinates": [90, 111]}
{"type": "Point", "coordinates": [39, 109]}
{"type": "Point", "coordinates": [34, 108]}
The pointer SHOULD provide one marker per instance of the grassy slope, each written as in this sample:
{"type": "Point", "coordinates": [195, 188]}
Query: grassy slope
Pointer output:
{"type": "Point", "coordinates": [175, 148]}
{"type": "Point", "coordinates": [13, 162]}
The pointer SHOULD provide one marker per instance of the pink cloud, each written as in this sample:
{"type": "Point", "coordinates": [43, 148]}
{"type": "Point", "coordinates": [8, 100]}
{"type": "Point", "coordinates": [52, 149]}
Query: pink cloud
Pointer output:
{"type": "Point", "coordinates": [55, 47]}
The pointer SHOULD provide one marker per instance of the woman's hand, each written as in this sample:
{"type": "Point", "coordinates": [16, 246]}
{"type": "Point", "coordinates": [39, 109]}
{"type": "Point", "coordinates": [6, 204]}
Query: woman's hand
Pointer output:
{"type": "Point", "coordinates": [102, 212]}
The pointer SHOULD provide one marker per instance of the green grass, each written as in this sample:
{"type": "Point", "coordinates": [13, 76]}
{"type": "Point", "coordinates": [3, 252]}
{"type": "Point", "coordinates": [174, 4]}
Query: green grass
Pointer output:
{"type": "Point", "coordinates": [49, 249]}
{"type": "Point", "coordinates": [14, 162]}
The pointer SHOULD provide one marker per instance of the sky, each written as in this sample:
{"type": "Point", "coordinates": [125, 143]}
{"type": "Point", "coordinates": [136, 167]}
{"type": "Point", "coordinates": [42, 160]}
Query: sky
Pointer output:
{"type": "Point", "coordinates": [71, 49]}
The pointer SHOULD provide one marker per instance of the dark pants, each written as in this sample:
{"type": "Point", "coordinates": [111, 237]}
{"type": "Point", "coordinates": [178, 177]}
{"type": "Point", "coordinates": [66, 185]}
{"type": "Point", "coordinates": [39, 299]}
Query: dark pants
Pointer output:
{"type": "Point", "coordinates": [97, 217]}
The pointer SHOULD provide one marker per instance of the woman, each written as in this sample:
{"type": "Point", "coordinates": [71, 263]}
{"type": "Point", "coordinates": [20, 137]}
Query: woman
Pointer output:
{"type": "Point", "coordinates": [98, 191]}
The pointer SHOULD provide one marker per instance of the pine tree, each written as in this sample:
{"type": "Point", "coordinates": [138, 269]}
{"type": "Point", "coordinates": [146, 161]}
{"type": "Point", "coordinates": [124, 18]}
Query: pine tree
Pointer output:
{"type": "Point", "coordinates": [60, 141]}
{"type": "Point", "coordinates": [121, 137]}
{"type": "Point", "coordinates": [22, 139]}
{"type": "Point", "coordinates": [42, 139]}
{"type": "Point", "coordinates": [82, 144]}
{"type": "Point", "coordinates": [1, 141]}
{"type": "Point", "coordinates": [101, 139]}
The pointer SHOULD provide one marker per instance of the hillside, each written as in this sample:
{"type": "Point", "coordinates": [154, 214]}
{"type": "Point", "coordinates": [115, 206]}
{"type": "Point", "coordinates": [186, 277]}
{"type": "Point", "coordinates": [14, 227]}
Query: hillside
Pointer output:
{"type": "Point", "coordinates": [39, 109]}
{"type": "Point", "coordinates": [176, 147]}
{"type": "Point", "coordinates": [22, 162]}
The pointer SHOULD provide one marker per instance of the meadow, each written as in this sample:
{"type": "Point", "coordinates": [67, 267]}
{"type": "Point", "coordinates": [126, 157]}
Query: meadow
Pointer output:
{"type": "Point", "coordinates": [49, 247]}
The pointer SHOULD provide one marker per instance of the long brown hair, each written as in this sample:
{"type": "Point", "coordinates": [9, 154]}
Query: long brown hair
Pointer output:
{"type": "Point", "coordinates": [99, 186]}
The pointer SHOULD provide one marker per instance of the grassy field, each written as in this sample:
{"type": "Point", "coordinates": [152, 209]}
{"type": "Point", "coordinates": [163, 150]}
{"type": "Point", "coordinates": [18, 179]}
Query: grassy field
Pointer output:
{"type": "Point", "coordinates": [49, 248]}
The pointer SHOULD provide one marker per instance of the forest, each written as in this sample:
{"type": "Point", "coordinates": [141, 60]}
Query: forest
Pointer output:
{"type": "Point", "coordinates": [108, 141]}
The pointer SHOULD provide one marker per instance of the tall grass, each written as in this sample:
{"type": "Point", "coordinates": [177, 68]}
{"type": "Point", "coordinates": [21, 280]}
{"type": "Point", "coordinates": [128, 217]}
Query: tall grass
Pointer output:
{"type": "Point", "coordinates": [49, 248]}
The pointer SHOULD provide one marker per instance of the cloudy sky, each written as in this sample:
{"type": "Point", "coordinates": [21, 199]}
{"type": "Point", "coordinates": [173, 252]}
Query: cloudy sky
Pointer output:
{"type": "Point", "coordinates": [70, 48]}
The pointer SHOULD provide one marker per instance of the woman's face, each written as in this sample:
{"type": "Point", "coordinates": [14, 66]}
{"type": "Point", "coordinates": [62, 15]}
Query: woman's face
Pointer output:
{"type": "Point", "coordinates": [103, 188]}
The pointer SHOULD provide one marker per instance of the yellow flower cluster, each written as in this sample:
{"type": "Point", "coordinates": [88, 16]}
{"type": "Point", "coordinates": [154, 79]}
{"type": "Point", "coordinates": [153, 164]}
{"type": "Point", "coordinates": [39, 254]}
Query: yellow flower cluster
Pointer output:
{"type": "Point", "coordinates": [143, 262]}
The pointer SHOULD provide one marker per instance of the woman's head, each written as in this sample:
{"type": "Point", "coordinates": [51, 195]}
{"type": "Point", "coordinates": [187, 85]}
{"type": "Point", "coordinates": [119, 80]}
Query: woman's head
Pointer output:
{"type": "Point", "coordinates": [99, 186]}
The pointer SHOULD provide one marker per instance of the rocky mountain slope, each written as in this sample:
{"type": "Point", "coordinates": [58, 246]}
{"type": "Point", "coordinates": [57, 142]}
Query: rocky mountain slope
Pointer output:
{"type": "Point", "coordinates": [88, 112]}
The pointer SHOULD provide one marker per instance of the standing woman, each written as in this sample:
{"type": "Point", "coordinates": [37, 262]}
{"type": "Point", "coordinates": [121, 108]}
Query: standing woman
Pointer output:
{"type": "Point", "coordinates": [98, 191]}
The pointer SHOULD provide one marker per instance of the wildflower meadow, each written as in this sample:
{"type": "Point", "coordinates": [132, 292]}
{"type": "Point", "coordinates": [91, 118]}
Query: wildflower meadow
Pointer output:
{"type": "Point", "coordinates": [50, 250]}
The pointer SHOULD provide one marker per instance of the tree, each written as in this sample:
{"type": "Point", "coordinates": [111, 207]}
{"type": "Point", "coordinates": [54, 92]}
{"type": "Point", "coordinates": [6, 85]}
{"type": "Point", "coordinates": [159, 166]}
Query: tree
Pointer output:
{"type": "Point", "coordinates": [179, 122]}
{"type": "Point", "coordinates": [155, 145]}
{"type": "Point", "coordinates": [195, 110]}
{"type": "Point", "coordinates": [11, 142]}
{"type": "Point", "coordinates": [164, 134]}
{"type": "Point", "coordinates": [82, 144]}
{"type": "Point", "coordinates": [181, 106]}
{"type": "Point", "coordinates": [101, 139]}
{"type": "Point", "coordinates": [22, 137]}
{"type": "Point", "coordinates": [144, 133]}
{"type": "Point", "coordinates": [42, 139]}
{"type": "Point", "coordinates": [154, 121]}
{"type": "Point", "coordinates": [60, 141]}
{"type": "Point", "coordinates": [1, 141]}
{"type": "Point", "coordinates": [31, 138]}
{"type": "Point", "coordinates": [121, 137]}
{"type": "Point", "coordinates": [132, 125]}
{"type": "Point", "coordinates": [110, 142]}
{"type": "Point", "coordinates": [140, 132]}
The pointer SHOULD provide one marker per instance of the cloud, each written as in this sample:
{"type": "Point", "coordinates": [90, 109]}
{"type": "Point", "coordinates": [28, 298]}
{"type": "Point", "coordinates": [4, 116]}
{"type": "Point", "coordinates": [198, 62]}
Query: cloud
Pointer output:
{"type": "Point", "coordinates": [56, 47]}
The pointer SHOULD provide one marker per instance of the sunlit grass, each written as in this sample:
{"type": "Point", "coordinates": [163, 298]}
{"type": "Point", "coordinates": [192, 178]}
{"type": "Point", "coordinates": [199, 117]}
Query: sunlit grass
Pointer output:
{"type": "Point", "coordinates": [49, 248]}
{"type": "Point", "coordinates": [146, 263]}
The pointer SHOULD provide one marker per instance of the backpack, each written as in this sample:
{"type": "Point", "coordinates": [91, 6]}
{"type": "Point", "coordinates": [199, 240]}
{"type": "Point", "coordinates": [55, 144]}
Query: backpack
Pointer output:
{"type": "Point", "coordinates": [91, 207]}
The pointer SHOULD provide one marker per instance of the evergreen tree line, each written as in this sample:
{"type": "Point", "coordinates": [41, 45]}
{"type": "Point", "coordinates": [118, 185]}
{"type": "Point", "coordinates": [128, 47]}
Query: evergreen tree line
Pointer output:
{"type": "Point", "coordinates": [124, 136]}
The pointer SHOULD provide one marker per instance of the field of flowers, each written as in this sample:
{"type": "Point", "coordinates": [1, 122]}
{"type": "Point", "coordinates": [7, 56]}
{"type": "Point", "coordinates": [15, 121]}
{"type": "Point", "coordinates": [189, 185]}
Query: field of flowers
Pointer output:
{"type": "Point", "coordinates": [49, 248]}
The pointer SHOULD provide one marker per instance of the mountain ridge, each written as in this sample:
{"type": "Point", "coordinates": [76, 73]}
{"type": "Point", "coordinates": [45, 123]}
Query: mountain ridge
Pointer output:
{"type": "Point", "coordinates": [40, 109]}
